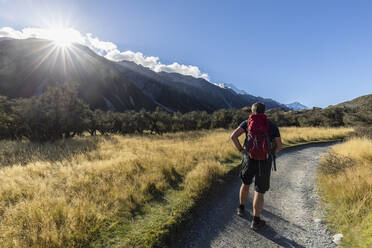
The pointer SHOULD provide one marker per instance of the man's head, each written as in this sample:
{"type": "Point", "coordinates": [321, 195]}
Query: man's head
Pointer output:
{"type": "Point", "coordinates": [258, 108]}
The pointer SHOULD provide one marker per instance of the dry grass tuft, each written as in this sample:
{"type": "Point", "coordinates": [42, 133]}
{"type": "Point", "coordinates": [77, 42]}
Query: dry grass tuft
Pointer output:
{"type": "Point", "coordinates": [333, 163]}
{"type": "Point", "coordinates": [67, 193]}
{"type": "Point", "coordinates": [348, 191]}
{"type": "Point", "coordinates": [358, 149]}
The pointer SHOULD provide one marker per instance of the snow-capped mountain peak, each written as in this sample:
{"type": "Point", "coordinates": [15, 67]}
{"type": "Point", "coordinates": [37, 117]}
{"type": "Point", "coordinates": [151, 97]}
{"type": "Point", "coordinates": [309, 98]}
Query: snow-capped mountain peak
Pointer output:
{"type": "Point", "coordinates": [296, 106]}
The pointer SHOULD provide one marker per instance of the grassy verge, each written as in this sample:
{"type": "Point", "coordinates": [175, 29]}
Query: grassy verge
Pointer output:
{"type": "Point", "coordinates": [114, 191]}
{"type": "Point", "coordinates": [345, 182]}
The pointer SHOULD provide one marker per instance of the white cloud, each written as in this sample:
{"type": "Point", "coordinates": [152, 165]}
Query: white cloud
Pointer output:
{"type": "Point", "coordinates": [101, 47]}
{"type": "Point", "coordinates": [11, 33]}
{"type": "Point", "coordinates": [105, 48]}
{"type": "Point", "coordinates": [183, 69]}
{"type": "Point", "coordinates": [154, 63]}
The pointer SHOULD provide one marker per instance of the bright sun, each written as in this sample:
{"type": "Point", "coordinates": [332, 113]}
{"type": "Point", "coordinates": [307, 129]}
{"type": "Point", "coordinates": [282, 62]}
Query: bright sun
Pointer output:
{"type": "Point", "coordinates": [63, 37]}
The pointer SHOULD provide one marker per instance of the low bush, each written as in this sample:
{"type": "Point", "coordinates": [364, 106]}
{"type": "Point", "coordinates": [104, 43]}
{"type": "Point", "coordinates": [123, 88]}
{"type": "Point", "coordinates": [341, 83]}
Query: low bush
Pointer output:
{"type": "Point", "coordinates": [333, 163]}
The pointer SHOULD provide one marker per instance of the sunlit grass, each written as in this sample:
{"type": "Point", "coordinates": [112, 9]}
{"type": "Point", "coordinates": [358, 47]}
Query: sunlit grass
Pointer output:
{"type": "Point", "coordinates": [347, 191]}
{"type": "Point", "coordinates": [292, 135]}
{"type": "Point", "coordinates": [70, 193]}
{"type": "Point", "coordinates": [359, 149]}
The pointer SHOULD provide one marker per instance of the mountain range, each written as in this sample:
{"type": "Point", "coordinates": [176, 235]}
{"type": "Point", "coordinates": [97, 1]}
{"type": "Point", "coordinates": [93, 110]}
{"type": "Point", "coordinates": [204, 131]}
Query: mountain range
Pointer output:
{"type": "Point", "coordinates": [27, 66]}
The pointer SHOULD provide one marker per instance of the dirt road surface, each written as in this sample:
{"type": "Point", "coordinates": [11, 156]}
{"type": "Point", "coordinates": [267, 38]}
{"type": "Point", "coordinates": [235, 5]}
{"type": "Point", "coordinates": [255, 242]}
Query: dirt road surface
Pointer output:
{"type": "Point", "coordinates": [291, 206]}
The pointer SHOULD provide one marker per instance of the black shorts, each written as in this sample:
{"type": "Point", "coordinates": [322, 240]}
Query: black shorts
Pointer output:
{"type": "Point", "coordinates": [259, 170]}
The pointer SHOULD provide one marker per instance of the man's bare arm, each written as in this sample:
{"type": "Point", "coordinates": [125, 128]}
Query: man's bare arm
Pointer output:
{"type": "Point", "coordinates": [235, 138]}
{"type": "Point", "coordinates": [278, 142]}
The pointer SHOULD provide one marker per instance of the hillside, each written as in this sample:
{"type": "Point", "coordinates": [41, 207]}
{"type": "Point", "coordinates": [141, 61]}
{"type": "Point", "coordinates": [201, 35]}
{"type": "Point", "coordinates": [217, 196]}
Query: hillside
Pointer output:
{"type": "Point", "coordinates": [356, 112]}
{"type": "Point", "coordinates": [28, 66]}
{"type": "Point", "coordinates": [362, 102]}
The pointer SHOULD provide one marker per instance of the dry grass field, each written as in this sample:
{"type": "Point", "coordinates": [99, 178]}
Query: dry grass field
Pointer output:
{"type": "Point", "coordinates": [113, 190]}
{"type": "Point", "coordinates": [345, 181]}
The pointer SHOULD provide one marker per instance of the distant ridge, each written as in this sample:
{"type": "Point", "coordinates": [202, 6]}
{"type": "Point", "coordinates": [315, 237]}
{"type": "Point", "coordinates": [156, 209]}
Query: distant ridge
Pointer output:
{"type": "Point", "coordinates": [363, 102]}
{"type": "Point", "coordinates": [232, 87]}
{"type": "Point", "coordinates": [27, 66]}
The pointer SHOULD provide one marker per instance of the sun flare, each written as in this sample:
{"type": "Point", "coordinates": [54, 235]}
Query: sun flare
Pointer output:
{"type": "Point", "coordinates": [63, 37]}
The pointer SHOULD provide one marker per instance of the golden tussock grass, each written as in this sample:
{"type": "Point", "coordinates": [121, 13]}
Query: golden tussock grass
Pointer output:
{"type": "Point", "coordinates": [347, 191]}
{"type": "Point", "coordinates": [358, 148]}
{"type": "Point", "coordinates": [293, 135]}
{"type": "Point", "coordinates": [67, 193]}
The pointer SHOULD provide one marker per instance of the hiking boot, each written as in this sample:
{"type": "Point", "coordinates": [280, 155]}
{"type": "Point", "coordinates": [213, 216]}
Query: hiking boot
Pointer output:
{"type": "Point", "coordinates": [258, 224]}
{"type": "Point", "coordinates": [240, 211]}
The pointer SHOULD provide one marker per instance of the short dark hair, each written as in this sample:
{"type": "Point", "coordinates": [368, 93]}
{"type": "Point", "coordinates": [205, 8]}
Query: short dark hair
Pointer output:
{"type": "Point", "coordinates": [258, 108]}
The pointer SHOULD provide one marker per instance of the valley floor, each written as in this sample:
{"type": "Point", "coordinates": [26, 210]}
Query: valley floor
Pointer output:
{"type": "Point", "coordinates": [107, 191]}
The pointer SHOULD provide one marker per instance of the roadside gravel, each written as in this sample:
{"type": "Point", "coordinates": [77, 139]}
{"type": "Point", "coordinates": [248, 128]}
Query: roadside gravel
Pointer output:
{"type": "Point", "coordinates": [291, 206]}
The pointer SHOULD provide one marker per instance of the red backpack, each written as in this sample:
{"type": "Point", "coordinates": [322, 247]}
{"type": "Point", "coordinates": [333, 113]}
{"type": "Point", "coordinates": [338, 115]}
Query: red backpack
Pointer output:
{"type": "Point", "coordinates": [258, 137]}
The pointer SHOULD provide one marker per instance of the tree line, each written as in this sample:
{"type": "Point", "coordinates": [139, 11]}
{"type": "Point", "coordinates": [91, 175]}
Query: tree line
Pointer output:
{"type": "Point", "coordinates": [328, 117]}
{"type": "Point", "coordinates": [59, 113]}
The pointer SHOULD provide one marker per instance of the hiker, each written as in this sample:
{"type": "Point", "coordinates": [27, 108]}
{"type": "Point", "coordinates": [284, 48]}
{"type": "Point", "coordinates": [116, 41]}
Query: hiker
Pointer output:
{"type": "Point", "coordinates": [262, 143]}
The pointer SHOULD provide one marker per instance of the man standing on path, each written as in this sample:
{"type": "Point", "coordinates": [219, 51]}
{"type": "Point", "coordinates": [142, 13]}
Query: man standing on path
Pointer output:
{"type": "Point", "coordinates": [262, 141]}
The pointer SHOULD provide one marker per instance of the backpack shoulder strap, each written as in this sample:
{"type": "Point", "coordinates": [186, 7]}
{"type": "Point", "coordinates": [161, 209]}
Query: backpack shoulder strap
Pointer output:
{"type": "Point", "coordinates": [246, 141]}
{"type": "Point", "coordinates": [271, 153]}
{"type": "Point", "coordinates": [273, 157]}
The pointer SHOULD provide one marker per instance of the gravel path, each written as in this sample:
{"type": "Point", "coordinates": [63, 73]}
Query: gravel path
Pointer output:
{"type": "Point", "coordinates": [291, 206]}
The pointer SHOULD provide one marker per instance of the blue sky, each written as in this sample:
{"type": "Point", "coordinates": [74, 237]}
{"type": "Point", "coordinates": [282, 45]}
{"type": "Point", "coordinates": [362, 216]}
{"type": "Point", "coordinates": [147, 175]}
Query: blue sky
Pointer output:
{"type": "Point", "coordinates": [315, 52]}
